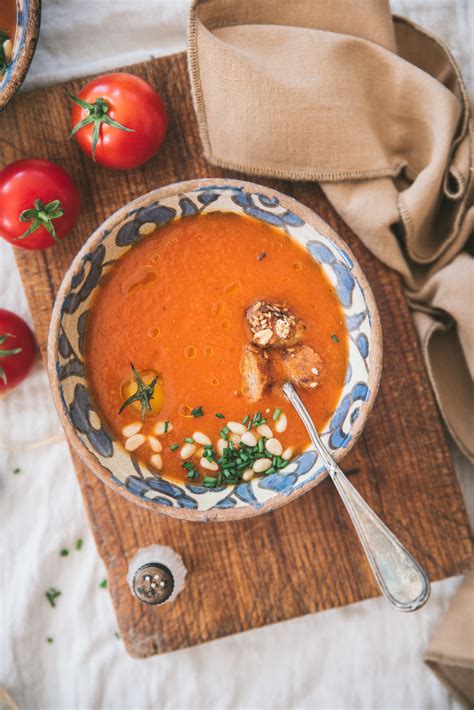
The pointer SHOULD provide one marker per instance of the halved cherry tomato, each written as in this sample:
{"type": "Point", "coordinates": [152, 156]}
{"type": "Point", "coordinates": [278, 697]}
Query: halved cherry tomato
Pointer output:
{"type": "Point", "coordinates": [118, 120]}
{"type": "Point", "coordinates": [17, 350]}
{"type": "Point", "coordinates": [39, 203]}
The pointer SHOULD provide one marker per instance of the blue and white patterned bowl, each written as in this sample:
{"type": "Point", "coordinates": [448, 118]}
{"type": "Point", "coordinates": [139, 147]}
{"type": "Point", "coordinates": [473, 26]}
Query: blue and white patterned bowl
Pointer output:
{"type": "Point", "coordinates": [106, 456]}
{"type": "Point", "coordinates": [27, 31]}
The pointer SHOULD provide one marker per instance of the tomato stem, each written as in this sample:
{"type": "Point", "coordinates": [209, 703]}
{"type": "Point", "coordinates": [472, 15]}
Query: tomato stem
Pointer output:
{"type": "Point", "coordinates": [144, 393]}
{"type": "Point", "coordinates": [41, 215]}
{"type": "Point", "coordinates": [97, 113]}
{"type": "Point", "coordinates": [6, 353]}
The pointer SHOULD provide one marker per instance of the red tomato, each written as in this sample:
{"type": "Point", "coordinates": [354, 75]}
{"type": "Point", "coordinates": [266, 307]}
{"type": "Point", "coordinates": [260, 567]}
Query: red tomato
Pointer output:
{"type": "Point", "coordinates": [39, 204]}
{"type": "Point", "coordinates": [119, 120]}
{"type": "Point", "coordinates": [17, 350]}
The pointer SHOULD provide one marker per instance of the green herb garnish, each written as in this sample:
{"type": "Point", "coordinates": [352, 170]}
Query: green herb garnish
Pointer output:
{"type": "Point", "coordinates": [51, 595]}
{"type": "Point", "coordinates": [334, 338]}
{"type": "Point", "coordinates": [16, 471]}
{"type": "Point", "coordinates": [144, 394]}
{"type": "Point", "coordinates": [78, 544]}
{"type": "Point", "coordinates": [188, 440]}
{"type": "Point", "coordinates": [220, 416]}
{"type": "Point", "coordinates": [64, 552]}
{"type": "Point", "coordinates": [276, 414]}
{"type": "Point", "coordinates": [174, 447]}
{"type": "Point", "coordinates": [166, 427]}
{"type": "Point", "coordinates": [49, 639]}
{"type": "Point", "coordinates": [197, 412]}
{"type": "Point", "coordinates": [103, 584]}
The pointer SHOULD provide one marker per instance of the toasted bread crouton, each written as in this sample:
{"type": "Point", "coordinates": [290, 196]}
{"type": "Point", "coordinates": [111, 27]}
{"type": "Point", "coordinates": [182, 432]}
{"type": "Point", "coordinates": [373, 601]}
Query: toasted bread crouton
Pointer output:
{"type": "Point", "coordinates": [272, 325]}
{"type": "Point", "coordinates": [255, 371]}
{"type": "Point", "coordinates": [301, 364]}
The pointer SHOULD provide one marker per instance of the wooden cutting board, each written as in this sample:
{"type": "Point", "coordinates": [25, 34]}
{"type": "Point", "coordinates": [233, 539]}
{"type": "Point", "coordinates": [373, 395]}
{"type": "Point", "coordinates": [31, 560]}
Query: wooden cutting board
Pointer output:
{"type": "Point", "coordinates": [304, 557]}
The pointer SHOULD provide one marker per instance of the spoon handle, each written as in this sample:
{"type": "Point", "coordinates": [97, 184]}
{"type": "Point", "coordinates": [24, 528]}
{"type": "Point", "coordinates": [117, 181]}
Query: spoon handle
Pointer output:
{"type": "Point", "coordinates": [402, 580]}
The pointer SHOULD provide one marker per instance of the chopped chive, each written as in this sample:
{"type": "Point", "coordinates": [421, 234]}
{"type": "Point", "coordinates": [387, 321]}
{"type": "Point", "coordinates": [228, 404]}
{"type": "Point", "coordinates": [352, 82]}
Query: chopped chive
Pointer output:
{"type": "Point", "coordinates": [197, 412]}
{"type": "Point", "coordinates": [188, 440]}
{"type": "Point", "coordinates": [166, 427]}
{"type": "Point", "coordinates": [334, 338]}
{"type": "Point", "coordinates": [188, 465]}
{"type": "Point", "coordinates": [209, 482]}
{"type": "Point", "coordinates": [174, 447]}
{"type": "Point", "coordinates": [16, 471]}
{"type": "Point", "coordinates": [260, 445]}
{"type": "Point", "coordinates": [49, 639]}
{"type": "Point", "coordinates": [220, 416]}
{"type": "Point", "coordinates": [245, 419]}
{"type": "Point", "coordinates": [249, 425]}
{"type": "Point", "coordinates": [193, 474]}
{"type": "Point", "coordinates": [103, 584]}
{"type": "Point", "coordinates": [269, 471]}
{"type": "Point", "coordinates": [51, 595]}
{"type": "Point", "coordinates": [64, 552]}
{"type": "Point", "coordinates": [276, 414]}
{"type": "Point", "coordinates": [79, 543]}
{"type": "Point", "coordinates": [117, 635]}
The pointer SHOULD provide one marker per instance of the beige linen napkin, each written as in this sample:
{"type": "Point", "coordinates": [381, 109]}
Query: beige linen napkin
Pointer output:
{"type": "Point", "coordinates": [451, 651]}
{"type": "Point", "coordinates": [374, 108]}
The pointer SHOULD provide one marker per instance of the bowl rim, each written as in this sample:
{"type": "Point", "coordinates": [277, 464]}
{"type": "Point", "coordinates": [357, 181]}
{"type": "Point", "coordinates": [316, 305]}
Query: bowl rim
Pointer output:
{"type": "Point", "coordinates": [25, 56]}
{"type": "Point", "coordinates": [109, 224]}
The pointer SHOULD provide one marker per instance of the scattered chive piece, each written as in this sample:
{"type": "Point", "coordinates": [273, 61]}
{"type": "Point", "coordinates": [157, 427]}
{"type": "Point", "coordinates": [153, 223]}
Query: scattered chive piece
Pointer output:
{"type": "Point", "coordinates": [51, 595]}
{"type": "Point", "coordinates": [209, 482]}
{"type": "Point", "coordinates": [197, 412]}
{"type": "Point", "coordinates": [166, 427]}
{"type": "Point", "coordinates": [220, 416]}
{"type": "Point", "coordinates": [64, 552]}
{"type": "Point", "coordinates": [276, 414]}
{"type": "Point", "coordinates": [188, 440]}
{"type": "Point", "coordinates": [103, 584]}
{"type": "Point", "coordinates": [245, 419]}
{"type": "Point", "coordinates": [79, 544]}
{"type": "Point", "coordinates": [174, 447]}
{"type": "Point", "coordinates": [260, 445]}
{"type": "Point", "coordinates": [334, 338]}
{"type": "Point", "coordinates": [16, 471]}
{"type": "Point", "coordinates": [117, 635]}
{"type": "Point", "coordinates": [49, 639]}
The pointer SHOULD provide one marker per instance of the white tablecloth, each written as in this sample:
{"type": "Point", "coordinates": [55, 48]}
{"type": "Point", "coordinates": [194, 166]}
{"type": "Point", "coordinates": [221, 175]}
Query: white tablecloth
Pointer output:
{"type": "Point", "coordinates": [363, 656]}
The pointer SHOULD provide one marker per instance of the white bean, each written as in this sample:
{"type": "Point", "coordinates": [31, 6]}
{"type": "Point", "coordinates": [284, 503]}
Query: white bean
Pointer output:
{"type": "Point", "coordinates": [8, 49]}
{"type": "Point", "coordinates": [274, 447]}
{"type": "Point", "coordinates": [187, 451]}
{"type": "Point", "coordinates": [201, 438]}
{"type": "Point", "coordinates": [248, 439]}
{"type": "Point", "coordinates": [261, 465]}
{"type": "Point", "coordinates": [281, 423]}
{"type": "Point", "coordinates": [288, 453]}
{"type": "Point", "coordinates": [209, 465]}
{"type": "Point", "coordinates": [155, 444]}
{"type": "Point", "coordinates": [248, 474]}
{"type": "Point", "coordinates": [132, 429]}
{"type": "Point", "coordinates": [236, 427]}
{"type": "Point", "coordinates": [265, 431]}
{"type": "Point", "coordinates": [134, 442]}
{"type": "Point", "coordinates": [159, 428]}
{"type": "Point", "coordinates": [156, 461]}
{"type": "Point", "coordinates": [221, 445]}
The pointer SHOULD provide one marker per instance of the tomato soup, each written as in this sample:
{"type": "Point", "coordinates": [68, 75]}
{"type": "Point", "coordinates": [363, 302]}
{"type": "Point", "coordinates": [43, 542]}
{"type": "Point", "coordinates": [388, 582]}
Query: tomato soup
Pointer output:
{"type": "Point", "coordinates": [7, 31]}
{"type": "Point", "coordinates": [174, 306]}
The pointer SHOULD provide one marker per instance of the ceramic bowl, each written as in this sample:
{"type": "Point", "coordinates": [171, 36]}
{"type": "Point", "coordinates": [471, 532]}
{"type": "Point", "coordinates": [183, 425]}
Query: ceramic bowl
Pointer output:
{"type": "Point", "coordinates": [104, 455]}
{"type": "Point", "coordinates": [28, 26]}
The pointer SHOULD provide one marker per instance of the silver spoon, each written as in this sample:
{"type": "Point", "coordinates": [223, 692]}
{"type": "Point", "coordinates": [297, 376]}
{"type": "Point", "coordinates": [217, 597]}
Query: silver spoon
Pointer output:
{"type": "Point", "coordinates": [402, 580]}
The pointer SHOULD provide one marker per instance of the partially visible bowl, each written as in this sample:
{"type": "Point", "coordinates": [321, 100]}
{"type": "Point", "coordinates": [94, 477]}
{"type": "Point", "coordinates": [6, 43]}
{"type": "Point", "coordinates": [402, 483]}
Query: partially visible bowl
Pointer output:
{"type": "Point", "coordinates": [104, 455]}
{"type": "Point", "coordinates": [24, 45]}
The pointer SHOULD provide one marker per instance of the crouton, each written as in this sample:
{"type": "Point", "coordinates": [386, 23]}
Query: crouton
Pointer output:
{"type": "Point", "coordinates": [272, 325]}
{"type": "Point", "coordinates": [301, 364]}
{"type": "Point", "coordinates": [255, 371]}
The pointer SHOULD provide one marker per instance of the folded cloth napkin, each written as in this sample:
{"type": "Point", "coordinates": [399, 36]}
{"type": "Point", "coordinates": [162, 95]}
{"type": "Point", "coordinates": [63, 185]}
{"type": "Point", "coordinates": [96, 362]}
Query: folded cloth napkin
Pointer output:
{"type": "Point", "coordinates": [374, 108]}
{"type": "Point", "coordinates": [451, 651]}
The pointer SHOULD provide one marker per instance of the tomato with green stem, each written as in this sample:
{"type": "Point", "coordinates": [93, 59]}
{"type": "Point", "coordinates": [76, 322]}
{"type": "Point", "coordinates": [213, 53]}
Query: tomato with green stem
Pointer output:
{"type": "Point", "coordinates": [17, 350]}
{"type": "Point", "coordinates": [118, 120]}
{"type": "Point", "coordinates": [39, 203]}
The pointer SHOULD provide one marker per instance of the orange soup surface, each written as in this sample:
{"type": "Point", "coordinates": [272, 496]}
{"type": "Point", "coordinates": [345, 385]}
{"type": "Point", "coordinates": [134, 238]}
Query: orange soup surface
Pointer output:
{"type": "Point", "coordinates": [174, 305]}
{"type": "Point", "coordinates": [8, 18]}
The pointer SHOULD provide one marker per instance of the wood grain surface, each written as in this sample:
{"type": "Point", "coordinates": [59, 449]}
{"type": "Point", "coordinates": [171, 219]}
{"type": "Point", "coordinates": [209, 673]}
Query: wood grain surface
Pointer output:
{"type": "Point", "coordinates": [304, 557]}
